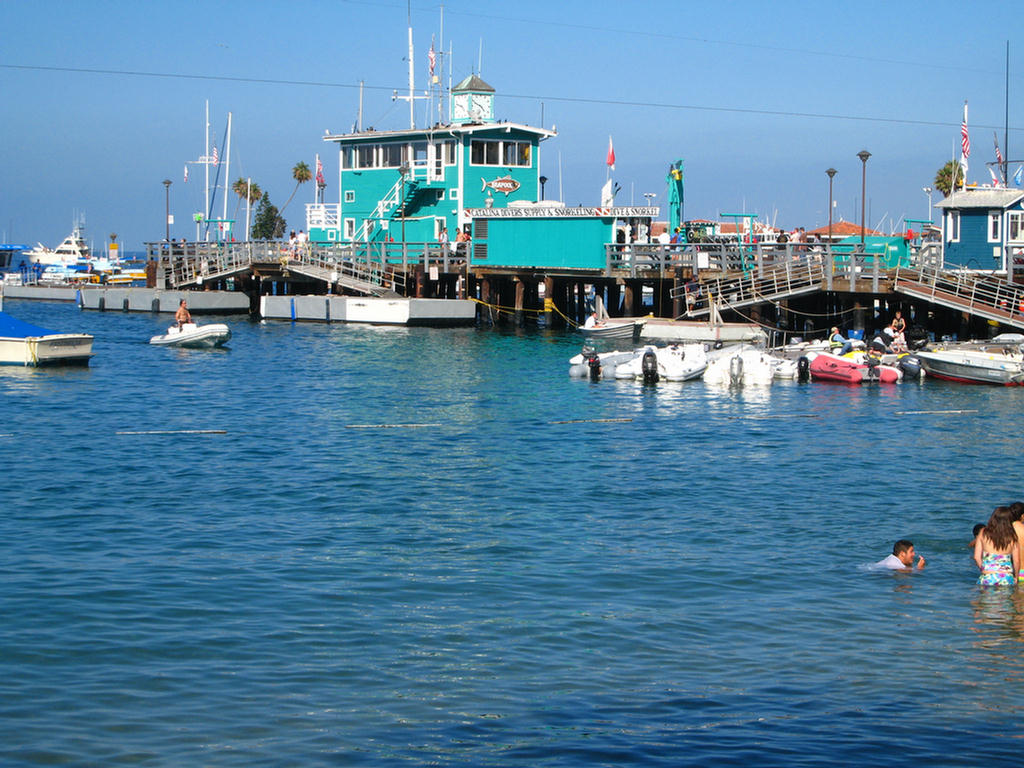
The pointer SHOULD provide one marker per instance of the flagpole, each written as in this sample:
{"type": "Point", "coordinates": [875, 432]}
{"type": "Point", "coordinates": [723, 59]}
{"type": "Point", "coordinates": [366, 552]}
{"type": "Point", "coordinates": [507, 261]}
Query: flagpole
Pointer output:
{"type": "Point", "coordinates": [1006, 123]}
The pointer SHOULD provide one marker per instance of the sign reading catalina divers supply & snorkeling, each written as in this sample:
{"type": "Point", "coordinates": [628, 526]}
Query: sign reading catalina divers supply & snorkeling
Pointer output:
{"type": "Point", "coordinates": [547, 212]}
{"type": "Point", "coordinates": [505, 184]}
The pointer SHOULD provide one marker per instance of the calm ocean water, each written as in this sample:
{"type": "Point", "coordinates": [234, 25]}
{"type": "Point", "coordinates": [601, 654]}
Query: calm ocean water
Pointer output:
{"type": "Point", "coordinates": [680, 584]}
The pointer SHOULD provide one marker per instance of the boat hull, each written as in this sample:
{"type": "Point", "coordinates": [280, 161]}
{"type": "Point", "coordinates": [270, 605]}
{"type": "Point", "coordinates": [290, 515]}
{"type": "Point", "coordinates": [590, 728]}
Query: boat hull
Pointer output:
{"type": "Point", "coordinates": [194, 337]}
{"type": "Point", "coordinates": [50, 350]}
{"type": "Point", "coordinates": [613, 330]}
{"type": "Point", "coordinates": [675, 363]}
{"type": "Point", "coordinates": [973, 368]}
{"type": "Point", "coordinates": [826, 367]}
{"type": "Point", "coordinates": [739, 366]}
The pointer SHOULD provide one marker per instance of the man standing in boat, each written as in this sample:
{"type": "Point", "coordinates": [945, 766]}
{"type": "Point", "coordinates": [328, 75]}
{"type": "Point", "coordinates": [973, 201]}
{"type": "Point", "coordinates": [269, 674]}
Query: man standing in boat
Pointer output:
{"type": "Point", "coordinates": [182, 316]}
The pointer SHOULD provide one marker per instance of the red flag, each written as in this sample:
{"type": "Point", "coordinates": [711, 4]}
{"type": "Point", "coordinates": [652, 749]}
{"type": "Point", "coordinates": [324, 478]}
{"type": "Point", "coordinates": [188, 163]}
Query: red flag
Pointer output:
{"type": "Point", "coordinates": [611, 155]}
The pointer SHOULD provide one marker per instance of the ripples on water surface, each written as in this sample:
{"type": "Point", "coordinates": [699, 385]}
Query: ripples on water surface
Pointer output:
{"type": "Point", "coordinates": [490, 587]}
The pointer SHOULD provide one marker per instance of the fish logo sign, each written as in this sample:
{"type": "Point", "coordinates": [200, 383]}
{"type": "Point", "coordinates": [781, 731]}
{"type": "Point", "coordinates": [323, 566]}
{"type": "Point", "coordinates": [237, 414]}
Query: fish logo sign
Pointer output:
{"type": "Point", "coordinates": [505, 184]}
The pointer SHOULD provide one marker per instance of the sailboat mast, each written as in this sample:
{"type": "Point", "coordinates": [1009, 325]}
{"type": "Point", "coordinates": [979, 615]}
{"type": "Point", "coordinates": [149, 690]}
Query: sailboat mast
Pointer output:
{"type": "Point", "coordinates": [206, 168]}
{"type": "Point", "coordinates": [227, 169]}
{"type": "Point", "coordinates": [412, 75]}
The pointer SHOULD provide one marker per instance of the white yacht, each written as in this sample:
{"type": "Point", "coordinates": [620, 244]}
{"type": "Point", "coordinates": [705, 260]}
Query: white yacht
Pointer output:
{"type": "Point", "coordinates": [72, 250]}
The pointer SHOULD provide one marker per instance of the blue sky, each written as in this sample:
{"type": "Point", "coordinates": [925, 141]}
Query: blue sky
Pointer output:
{"type": "Point", "coordinates": [103, 99]}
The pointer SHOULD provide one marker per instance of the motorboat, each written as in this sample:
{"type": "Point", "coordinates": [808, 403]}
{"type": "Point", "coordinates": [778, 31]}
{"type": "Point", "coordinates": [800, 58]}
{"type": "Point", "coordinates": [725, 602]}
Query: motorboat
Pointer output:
{"type": "Point", "coordinates": [591, 364]}
{"type": "Point", "coordinates": [194, 336]}
{"type": "Point", "coordinates": [72, 250]}
{"type": "Point", "coordinates": [678, 362]}
{"type": "Point", "coordinates": [853, 368]}
{"type": "Point", "coordinates": [624, 330]}
{"type": "Point", "coordinates": [22, 343]}
{"type": "Point", "coordinates": [974, 366]}
{"type": "Point", "coordinates": [740, 365]}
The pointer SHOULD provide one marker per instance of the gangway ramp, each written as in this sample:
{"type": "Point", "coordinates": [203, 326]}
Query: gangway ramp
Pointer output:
{"type": "Point", "coordinates": [793, 278]}
{"type": "Point", "coordinates": [982, 295]}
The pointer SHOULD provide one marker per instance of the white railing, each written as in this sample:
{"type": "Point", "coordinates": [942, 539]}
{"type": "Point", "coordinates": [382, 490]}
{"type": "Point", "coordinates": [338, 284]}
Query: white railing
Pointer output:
{"type": "Point", "coordinates": [323, 215]}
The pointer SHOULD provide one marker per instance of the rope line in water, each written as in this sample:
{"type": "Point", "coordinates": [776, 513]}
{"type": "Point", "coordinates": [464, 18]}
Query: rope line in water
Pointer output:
{"type": "Point", "coordinates": [390, 426]}
{"type": "Point", "coordinates": [591, 421]}
{"type": "Point", "coordinates": [175, 432]}
{"type": "Point", "coordinates": [917, 413]}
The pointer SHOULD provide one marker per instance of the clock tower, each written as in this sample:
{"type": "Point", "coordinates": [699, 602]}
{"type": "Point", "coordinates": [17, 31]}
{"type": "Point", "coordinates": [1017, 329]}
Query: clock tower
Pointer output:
{"type": "Point", "coordinates": [472, 102]}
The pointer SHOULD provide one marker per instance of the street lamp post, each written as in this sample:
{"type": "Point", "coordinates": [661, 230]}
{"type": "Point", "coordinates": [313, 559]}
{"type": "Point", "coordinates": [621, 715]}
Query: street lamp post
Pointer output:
{"type": "Point", "coordinates": [167, 209]}
{"type": "Point", "coordinates": [831, 172]}
{"type": "Point", "coordinates": [928, 191]}
{"type": "Point", "coordinates": [863, 155]}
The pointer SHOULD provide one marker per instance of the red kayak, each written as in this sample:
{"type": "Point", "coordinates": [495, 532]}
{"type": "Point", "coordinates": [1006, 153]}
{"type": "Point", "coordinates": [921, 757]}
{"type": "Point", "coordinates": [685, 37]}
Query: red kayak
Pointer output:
{"type": "Point", "coordinates": [828, 367]}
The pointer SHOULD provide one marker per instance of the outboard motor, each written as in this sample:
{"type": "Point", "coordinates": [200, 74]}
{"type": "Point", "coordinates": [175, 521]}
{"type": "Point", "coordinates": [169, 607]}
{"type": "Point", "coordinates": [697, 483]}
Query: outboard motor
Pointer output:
{"type": "Point", "coordinates": [736, 369]}
{"type": "Point", "coordinates": [873, 374]}
{"type": "Point", "coordinates": [649, 367]}
{"type": "Point", "coordinates": [594, 364]}
{"type": "Point", "coordinates": [803, 369]}
{"type": "Point", "coordinates": [916, 337]}
{"type": "Point", "coordinates": [911, 366]}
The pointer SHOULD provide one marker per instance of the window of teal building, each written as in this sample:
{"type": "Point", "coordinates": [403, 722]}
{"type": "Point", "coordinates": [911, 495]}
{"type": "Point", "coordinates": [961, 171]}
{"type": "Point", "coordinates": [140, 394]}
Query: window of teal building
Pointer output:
{"type": "Point", "coordinates": [484, 152]}
{"type": "Point", "coordinates": [1015, 226]}
{"type": "Point", "coordinates": [493, 152]}
{"type": "Point", "coordinates": [994, 220]}
{"type": "Point", "coordinates": [517, 153]}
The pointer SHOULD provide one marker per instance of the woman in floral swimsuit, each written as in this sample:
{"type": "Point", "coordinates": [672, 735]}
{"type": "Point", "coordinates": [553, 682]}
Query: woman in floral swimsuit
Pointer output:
{"type": "Point", "coordinates": [996, 551]}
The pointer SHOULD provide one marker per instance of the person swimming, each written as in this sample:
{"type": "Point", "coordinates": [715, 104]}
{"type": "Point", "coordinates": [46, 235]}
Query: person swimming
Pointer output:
{"type": "Point", "coordinates": [996, 551]}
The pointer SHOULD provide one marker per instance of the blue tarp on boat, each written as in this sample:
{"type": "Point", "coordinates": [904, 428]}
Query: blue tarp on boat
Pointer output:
{"type": "Point", "coordinates": [13, 328]}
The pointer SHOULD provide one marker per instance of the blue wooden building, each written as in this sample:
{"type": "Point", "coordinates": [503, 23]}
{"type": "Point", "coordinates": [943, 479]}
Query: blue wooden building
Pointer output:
{"type": "Point", "coordinates": [983, 229]}
{"type": "Point", "coordinates": [406, 185]}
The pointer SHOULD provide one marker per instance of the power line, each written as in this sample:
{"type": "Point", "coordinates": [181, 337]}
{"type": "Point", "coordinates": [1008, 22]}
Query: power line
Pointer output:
{"type": "Point", "coordinates": [529, 97]}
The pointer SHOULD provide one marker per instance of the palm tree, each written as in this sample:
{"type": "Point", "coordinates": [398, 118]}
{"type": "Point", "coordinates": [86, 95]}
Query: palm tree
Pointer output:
{"type": "Point", "coordinates": [301, 174]}
{"type": "Point", "coordinates": [944, 179]}
{"type": "Point", "coordinates": [241, 187]}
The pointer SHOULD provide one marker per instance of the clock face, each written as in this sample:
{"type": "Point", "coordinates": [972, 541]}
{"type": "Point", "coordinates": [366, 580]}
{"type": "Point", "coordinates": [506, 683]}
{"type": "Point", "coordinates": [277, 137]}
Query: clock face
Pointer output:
{"type": "Point", "coordinates": [460, 107]}
{"type": "Point", "coordinates": [482, 104]}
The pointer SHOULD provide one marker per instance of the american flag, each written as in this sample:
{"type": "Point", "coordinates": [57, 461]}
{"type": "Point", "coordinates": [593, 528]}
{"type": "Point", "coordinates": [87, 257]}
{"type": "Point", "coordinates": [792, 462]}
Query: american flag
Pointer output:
{"type": "Point", "coordinates": [214, 160]}
{"type": "Point", "coordinates": [965, 140]}
{"type": "Point", "coordinates": [320, 173]}
{"type": "Point", "coordinates": [186, 174]}
{"type": "Point", "coordinates": [432, 58]}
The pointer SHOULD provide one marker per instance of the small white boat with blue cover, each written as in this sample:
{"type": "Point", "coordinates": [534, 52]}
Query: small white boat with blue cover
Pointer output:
{"type": "Point", "coordinates": [22, 343]}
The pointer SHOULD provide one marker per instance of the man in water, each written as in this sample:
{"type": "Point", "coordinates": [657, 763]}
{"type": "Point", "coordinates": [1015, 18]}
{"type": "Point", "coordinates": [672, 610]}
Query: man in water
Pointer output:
{"type": "Point", "coordinates": [182, 316]}
{"type": "Point", "coordinates": [902, 558]}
